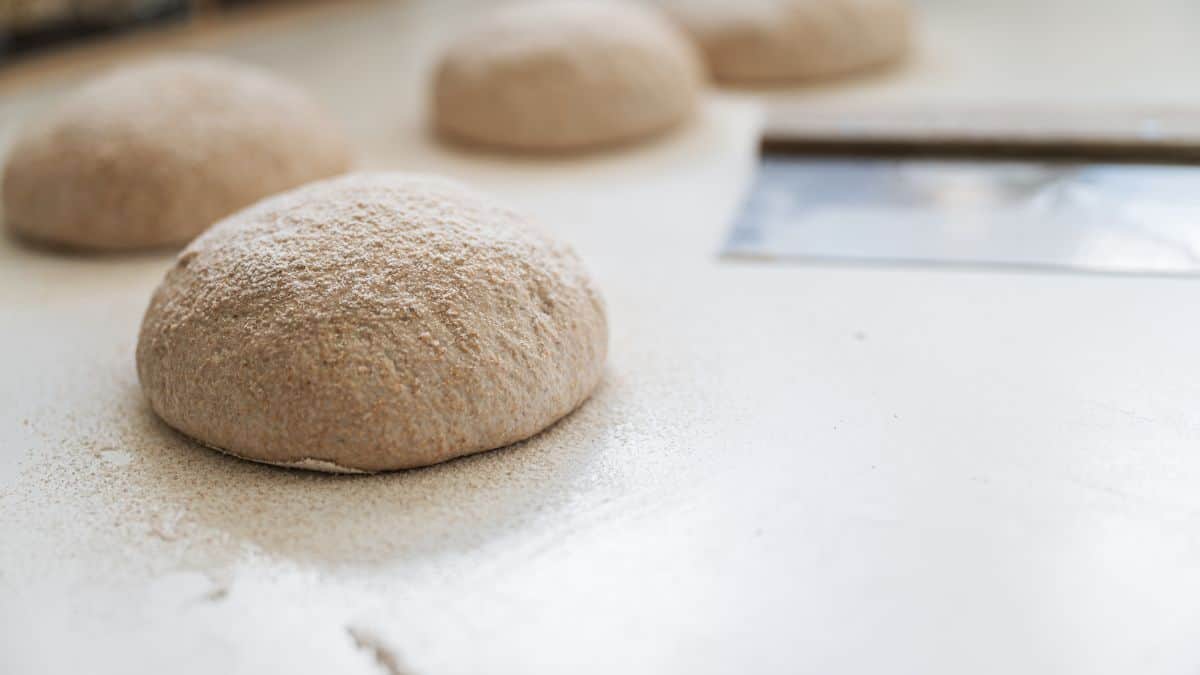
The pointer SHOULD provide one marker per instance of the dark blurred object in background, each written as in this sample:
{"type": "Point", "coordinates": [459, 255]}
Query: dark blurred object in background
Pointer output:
{"type": "Point", "coordinates": [30, 25]}
{"type": "Point", "coordinates": [27, 26]}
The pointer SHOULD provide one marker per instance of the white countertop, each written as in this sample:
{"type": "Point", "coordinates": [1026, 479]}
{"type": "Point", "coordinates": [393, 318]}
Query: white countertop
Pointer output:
{"type": "Point", "coordinates": [788, 468]}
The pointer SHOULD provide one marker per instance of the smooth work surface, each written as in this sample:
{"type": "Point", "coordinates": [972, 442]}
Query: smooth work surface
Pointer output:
{"type": "Point", "coordinates": [788, 468]}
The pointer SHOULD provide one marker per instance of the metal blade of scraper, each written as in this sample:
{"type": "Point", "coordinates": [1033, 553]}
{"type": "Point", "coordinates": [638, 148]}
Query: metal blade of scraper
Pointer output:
{"type": "Point", "coordinates": [1103, 217]}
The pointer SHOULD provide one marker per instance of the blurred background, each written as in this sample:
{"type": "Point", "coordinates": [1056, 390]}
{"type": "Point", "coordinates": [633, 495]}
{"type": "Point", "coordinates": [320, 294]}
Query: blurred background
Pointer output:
{"type": "Point", "coordinates": [29, 26]}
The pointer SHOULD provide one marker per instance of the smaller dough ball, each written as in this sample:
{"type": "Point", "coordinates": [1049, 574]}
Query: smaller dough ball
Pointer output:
{"type": "Point", "coordinates": [760, 41]}
{"type": "Point", "coordinates": [150, 155]}
{"type": "Point", "coordinates": [554, 76]}
{"type": "Point", "coordinates": [371, 322]}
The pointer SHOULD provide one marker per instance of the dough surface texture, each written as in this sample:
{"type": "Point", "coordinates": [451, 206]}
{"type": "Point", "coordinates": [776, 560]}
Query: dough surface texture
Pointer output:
{"type": "Point", "coordinates": [571, 75]}
{"type": "Point", "coordinates": [150, 155]}
{"type": "Point", "coordinates": [371, 322]}
{"type": "Point", "coordinates": [764, 41]}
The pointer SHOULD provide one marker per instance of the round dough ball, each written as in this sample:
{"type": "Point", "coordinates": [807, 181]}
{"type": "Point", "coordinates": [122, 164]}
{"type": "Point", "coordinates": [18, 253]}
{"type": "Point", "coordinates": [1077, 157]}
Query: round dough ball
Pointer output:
{"type": "Point", "coordinates": [555, 76]}
{"type": "Point", "coordinates": [371, 322]}
{"type": "Point", "coordinates": [150, 155]}
{"type": "Point", "coordinates": [752, 41]}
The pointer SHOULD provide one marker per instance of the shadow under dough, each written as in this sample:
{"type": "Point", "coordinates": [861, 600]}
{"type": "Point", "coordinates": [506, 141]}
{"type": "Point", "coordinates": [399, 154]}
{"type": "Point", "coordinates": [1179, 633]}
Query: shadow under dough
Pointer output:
{"type": "Point", "coordinates": [361, 520]}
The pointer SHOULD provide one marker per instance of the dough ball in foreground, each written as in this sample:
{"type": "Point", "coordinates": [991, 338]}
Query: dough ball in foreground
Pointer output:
{"type": "Point", "coordinates": [150, 155]}
{"type": "Point", "coordinates": [761, 41]}
{"type": "Point", "coordinates": [371, 322]}
{"type": "Point", "coordinates": [556, 76]}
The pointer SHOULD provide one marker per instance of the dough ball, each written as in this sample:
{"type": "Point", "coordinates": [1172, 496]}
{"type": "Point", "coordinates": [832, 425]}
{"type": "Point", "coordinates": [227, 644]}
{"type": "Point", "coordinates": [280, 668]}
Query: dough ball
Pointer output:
{"type": "Point", "coordinates": [371, 322]}
{"type": "Point", "coordinates": [150, 155]}
{"type": "Point", "coordinates": [753, 41]}
{"type": "Point", "coordinates": [555, 76]}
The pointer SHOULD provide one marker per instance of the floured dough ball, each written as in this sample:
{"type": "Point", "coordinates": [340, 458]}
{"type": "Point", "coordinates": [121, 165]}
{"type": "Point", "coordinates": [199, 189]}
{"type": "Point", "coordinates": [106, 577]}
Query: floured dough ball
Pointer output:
{"type": "Point", "coordinates": [371, 322]}
{"type": "Point", "coordinates": [150, 155]}
{"type": "Point", "coordinates": [753, 41]}
{"type": "Point", "coordinates": [555, 76]}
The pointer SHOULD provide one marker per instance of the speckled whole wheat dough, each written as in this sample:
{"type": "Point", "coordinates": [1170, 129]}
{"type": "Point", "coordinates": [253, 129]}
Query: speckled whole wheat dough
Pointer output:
{"type": "Point", "coordinates": [151, 154]}
{"type": "Point", "coordinates": [763, 41]}
{"type": "Point", "coordinates": [371, 322]}
{"type": "Point", "coordinates": [557, 76]}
